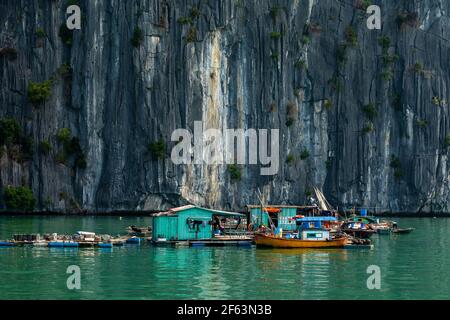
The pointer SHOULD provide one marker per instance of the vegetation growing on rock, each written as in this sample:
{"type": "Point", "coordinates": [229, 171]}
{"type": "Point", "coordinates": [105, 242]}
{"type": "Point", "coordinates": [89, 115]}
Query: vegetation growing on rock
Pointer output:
{"type": "Point", "coordinates": [158, 149]}
{"type": "Point", "coordinates": [138, 37]}
{"type": "Point", "coordinates": [351, 37]}
{"type": "Point", "coordinates": [45, 147]}
{"type": "Point", "coordinates": [39, 92]}
{"type": "Point", "coordinates": [396, 164]}
{"type": "Point", "coordinates": [19, 198]}
{"type": "Point", "coordinates": [304, 155]}
{"type": "Point", "coordinates": [370, 111]}
{"type": "Point", "coordinates": [66, 35]}
{"type": "Point", "coordinates": [235, 172]}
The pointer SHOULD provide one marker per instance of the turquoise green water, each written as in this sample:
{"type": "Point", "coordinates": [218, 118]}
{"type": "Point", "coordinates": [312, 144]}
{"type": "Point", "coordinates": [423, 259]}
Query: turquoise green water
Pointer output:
{"type": "Point", "coordinates": [413, 266]}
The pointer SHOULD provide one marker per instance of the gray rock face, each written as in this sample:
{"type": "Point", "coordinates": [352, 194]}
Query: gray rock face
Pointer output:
{"type": "Point", "coordinates": [233, 64]}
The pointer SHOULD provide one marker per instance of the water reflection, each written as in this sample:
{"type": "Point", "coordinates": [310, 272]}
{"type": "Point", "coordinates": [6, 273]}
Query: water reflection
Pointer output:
{"type": "Point", "coordinates": [411, 268]}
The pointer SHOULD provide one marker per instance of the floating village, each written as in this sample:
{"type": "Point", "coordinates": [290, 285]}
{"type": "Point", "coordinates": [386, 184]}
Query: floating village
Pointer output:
{"type": "Point", "coordinates": [317, 225]}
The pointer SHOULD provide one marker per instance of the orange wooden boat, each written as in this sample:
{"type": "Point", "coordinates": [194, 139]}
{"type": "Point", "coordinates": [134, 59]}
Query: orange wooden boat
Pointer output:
{"type": "Point", "coordinates": [265, 240]}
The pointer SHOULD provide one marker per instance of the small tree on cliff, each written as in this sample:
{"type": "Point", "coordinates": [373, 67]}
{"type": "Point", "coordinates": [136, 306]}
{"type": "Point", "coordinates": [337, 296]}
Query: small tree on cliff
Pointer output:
{"type": "Point", "coordinates": [19, 198]}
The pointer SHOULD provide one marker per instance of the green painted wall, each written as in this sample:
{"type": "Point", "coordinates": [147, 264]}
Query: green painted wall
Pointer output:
{"type": "Point", "coordinates": [258, 219]}
{"type": "Point", "coordinates": [177, 227]}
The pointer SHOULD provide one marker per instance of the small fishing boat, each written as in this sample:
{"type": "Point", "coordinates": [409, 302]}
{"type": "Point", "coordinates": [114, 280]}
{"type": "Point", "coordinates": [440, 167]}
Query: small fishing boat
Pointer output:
{"type": "Point", "coordinates": [358, 229]}
{"type": "Point", "coordinates": [141, 232]}
{"type": "Point", "coordinates": [396, 229]}
{"type": "Point", "coordinates": [309, 234]}
{"type": "Point", "coordinates": [402, 230]}
{"type": "Point", "coordinates": [381, 227]}
{"type": "Point", "coordinates": [383, 230]}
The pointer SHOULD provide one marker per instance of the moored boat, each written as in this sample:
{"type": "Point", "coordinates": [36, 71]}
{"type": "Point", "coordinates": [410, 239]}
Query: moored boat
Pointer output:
{"type": "Point", "coordinates": [265, 240]}
{"type": "Point", "coordinates": [358, 229]}
{"type": "Point", "coordinates": [402, 230]}
{"type": "Point", "coordinates": [309, 234]}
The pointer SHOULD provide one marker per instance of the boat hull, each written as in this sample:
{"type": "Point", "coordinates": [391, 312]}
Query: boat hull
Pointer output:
{"type": "Point", "coordinates": [274, 242]}
{"type": "Point", "coordinates": [359, 233]}
{"type": "Point", "coordinates": [407, 230]}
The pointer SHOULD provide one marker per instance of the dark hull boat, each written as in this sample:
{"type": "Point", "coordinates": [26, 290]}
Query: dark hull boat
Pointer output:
{"type": "Point", "coordinates": [405, 230]}
{"type": "Point", "coordinates": [358, 229]}
{"type": "Point", "coordinates": [359, 233]}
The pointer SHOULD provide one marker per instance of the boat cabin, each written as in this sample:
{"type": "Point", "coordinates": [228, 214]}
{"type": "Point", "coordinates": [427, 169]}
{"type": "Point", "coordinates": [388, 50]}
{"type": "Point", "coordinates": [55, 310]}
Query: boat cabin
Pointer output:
{"type": "Point", "coordinates": [85, 236]}
{"type": "Point", "coordinates": [283, 216]}
{"type": "Point", "coordinates": [314, 228]}
{"type": "Point", "coordinates": [194, 223]}
{"type": "Point", "coordinates": [363, 219]}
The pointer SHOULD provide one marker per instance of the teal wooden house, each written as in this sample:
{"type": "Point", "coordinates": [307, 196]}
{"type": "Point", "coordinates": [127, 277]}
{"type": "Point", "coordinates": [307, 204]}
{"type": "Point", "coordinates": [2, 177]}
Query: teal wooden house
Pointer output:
{"type": "Point", "coordinates": [188, 223]}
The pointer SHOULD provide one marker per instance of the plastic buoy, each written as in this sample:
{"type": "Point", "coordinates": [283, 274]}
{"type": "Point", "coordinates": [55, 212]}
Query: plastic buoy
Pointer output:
{"type": "Point", "coordinates": [105, 245]}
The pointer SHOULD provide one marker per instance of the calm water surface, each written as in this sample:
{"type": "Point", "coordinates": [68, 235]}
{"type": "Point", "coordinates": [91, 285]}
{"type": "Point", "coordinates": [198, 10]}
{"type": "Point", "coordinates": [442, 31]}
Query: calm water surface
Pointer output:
{"type": "Point", "coordinates": [413, 266]}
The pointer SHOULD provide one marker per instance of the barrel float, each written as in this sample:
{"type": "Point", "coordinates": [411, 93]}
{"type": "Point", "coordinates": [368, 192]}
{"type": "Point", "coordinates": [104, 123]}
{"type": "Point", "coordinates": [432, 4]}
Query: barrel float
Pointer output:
{"type": "Point", "coordinates": [105, 245]}
{"type": "Point", "coordinates": [134, 240]}
{"type": "Point", "coordinates": [58, 244]}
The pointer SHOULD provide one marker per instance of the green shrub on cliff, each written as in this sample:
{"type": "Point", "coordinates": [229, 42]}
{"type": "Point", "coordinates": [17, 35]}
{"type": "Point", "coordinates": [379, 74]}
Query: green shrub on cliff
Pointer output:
{"type": "Point", "coordinates": [66, 35]}
{"type": "Point", "coordinates": [184, 20]}
{"type": "Point", "coordinates": [61, 158]}
{"type": "Point", "coordinates": [306, 40]}
{"type": "Point", "coordinates": [274, 12]}
{"type": "Point", "coordinates": [422, 123]}
{"type": "Point", "coordinates": [368, 128]}
{"type": "Point", "coordinates": [40, 33]}
{"type": "Point", "coordinates": [396, 164]}
{"type": "Point", "coordinates": [39, 92]}
{"type": "Point", "coordinates": [275, 35]}
{"type": "Point", "coordinates": [300, 64]}
{"type": "Point", "coordinates": [370, 110]}
{"type": "Point", "coordinates": [9, 131]}
{"type": "Point", "coordinates": [19, 198]}
{"type": "Point", "coordinates": [387, 74]}
{"type": "Point", "coordinates": [45, 147]}
{"type": "Point", "coordinates": [71, 148]}
{"type": "Point", "coordinates": [351, 36]}
{"type": "Point", "coordinates": [191, 35]}
{"type": "Point", "coordinates": [235, 172]}
{"type": "Point", "coordinates": [64, 135]}
{"type": "Point", "coordinates": [138, 37]}
{"type": "Point", "coordinates": [447, 141]}
{"type": "Point", "coordinates": [304, 155]}
{"type": "Point", "coordinates": [290, 159]}
{"type": "Point", "coordinates": [385, 43]}
{"type": "Point", "coordinates": [158, 149]}
{"type": "Point", "coordinates": [195, 13]}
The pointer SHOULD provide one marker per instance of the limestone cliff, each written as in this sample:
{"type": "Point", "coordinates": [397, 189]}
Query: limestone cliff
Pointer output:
{"type": "Point", "coordinates": [363, 114]}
